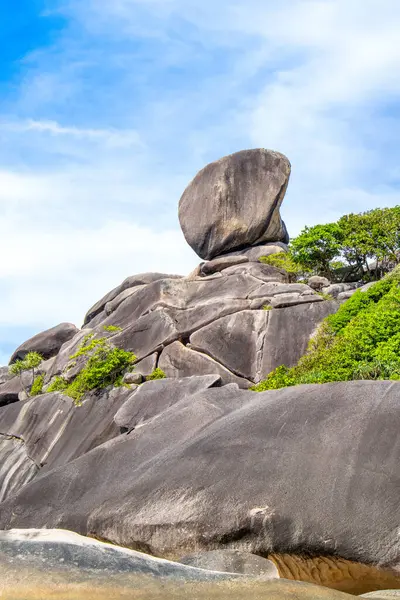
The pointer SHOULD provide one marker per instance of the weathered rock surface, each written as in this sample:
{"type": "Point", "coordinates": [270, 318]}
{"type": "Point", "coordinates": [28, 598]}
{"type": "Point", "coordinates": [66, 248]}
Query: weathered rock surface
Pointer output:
{"type": "Point", "coordinates": [311, 468]}
{"type": "Point", "coordinates": [129, 282]}
{"type": "Point", "coordinates": [252, 343]}
{"type": "Point", "coordinates": [235, 341]}
{"type": "Point", "coordinates": [49, 430]}
{"type": "Point", "coordinates": [54, 563]}
{"type": "Point", "coordinates": [154, 397]}
{"type": "Point", "coordinates": [232, 561]}
{"type": "Point", "coordinates": [220, 263]}
{"type": "Point", "coordinates": [317, 283]}
{"type": "Point", "coordinates": [47, 343]}
{"type": "Point", "coordinates": [179, 361]}
{"type": "Point", "coordinates": [254, 253]}
{"type": "Point", "coordinates": [16, 467]}
{"type": "Point", "coordinates": [234, 202]}
{"type": "Point", "coordinates": [146, 366]}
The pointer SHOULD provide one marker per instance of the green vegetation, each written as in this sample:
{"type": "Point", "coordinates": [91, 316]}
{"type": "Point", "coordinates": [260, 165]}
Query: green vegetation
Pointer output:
{"type": "Point", "coordinates": [112, 328]}
{"type": "Point", "coordinates": [30, 363]}
{"type": "Point", "coordinates": [59, 384]}
{"type": "Point", "coordinates": [283, 260]}
{"type": "Point", "coordinates": [37, 385]}
{"type": "Point", "coordinates": [345, 249]}
{"type": "Point", "coordinates": [360, 341]}
{"type": "Point", "coordinates": [105, 366]}
{"type": "Point", "coordinates": [267, 307]}
{"type": "Point", "coordinates": [156, 374]}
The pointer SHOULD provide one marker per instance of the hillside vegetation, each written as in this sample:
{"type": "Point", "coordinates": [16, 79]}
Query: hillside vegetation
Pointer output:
{"type": "Point", "coordinates": [360, 341]}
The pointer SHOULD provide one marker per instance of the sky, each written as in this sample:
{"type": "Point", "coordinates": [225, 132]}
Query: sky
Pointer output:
{"type": "Point", "coordinates": [108, 108]}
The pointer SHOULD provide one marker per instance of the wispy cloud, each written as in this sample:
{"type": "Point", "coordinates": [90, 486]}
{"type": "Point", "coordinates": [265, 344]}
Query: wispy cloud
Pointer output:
{"type": "Point", "coordinates": [104, 127]}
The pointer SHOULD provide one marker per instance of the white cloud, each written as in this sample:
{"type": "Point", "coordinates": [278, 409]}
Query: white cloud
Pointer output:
{"type": "Point", "coordinates": [112, 121]}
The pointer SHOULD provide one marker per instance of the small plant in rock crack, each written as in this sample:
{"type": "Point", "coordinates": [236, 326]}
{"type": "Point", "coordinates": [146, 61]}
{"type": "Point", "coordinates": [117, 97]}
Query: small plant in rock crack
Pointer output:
{"type": "Point", "coordinates": [29, 363]}
{"type": "Point", "coordinates": [105, 365]}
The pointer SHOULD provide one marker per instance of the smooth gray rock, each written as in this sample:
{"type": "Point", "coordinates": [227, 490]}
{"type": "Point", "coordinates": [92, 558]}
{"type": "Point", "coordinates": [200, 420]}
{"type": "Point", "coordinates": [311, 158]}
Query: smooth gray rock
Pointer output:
{"type": "Point", "coordinates": [273, 288]}
{"type": "Point", "coordinates": [129, 282]}
{"type": "Point", "coordinates": [254, 253]}
{"type": "Point", "coordinates": [289, 332]}
{"type": "Point", "coordinates": [10, 390]}
{"type": "Point", "coordinates": [259, 271]}
{"type": "Point", "coordinates": [4, 375]}
{"type": "Point", "coordinates": [310, 468]}
{"type": "Point", "coordinates": [47, 343]}
{"type": "Point", "coordinates": [180, 361]}
{"type": "Point", "coordinates": [63, 357]}
{"type": "Point", "coordinates": [234, 202]}
{"type": "Point", "coordinates": [113, 305]}
{"type": "Point", "coordinates": [317, 283]}
{"type": "Point", "coordinates": [236, 342]}
{"type": "Point", "coordinates": [232, 561]}
{"type": "Point", "coordinates": [294, 298]}
{"type": "Point", "coordinates": [53, 431]}
{"type": "Point", "coordinates": [65, 550]}
{"type": "Point", "coordinates": [132, 378]}
{"type": "Point", "coordinates": [346, 295]}
{"type": "Point", "coordinates": [154, 397]}
{"type": "Point", "coordinates": [16, 467]}
{"type": "Point", "coordinates": [147, 365]}
{"type": "Point", "coordinates": [337, 288]}
{"type": "Point", "coordinates": [220, 263]}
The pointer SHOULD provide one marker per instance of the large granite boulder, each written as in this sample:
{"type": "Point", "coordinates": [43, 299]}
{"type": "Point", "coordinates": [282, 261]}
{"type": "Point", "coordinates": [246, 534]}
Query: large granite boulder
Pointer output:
{"type": "Point", "coordinates": [232, 561]}
{"type": "Point", "coordinates": [234, 202]}
{"type": "Point", "coordinates": [49, 430]}
{"type": "Point", "coordinates": [47, 343]}
{"type": "Point", "coordinates": [310, 469]}
{"type": "Point", "coordinates": [60, 564]}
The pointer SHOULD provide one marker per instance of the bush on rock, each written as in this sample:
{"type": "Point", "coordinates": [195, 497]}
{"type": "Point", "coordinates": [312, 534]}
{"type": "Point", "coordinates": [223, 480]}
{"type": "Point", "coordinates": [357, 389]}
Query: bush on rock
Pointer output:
{"type": "Point", "coordinates": [360, 341]}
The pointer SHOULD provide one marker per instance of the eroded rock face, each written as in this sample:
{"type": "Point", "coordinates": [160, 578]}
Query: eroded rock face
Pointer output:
{"type": "Point", "coordinates": [50, 563]}
{"type": "Point", "coordinates": [47, 343]}
{"type": "Point", "coordinates": [312, 467]}
{"type": "Point", "coordinates": [234, 202]}
{"type": "Point", "coordinates": [232, 561]}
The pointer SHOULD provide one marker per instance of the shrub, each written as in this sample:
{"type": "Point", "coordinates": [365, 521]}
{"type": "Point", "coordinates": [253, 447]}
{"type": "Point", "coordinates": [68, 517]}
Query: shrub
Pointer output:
{"type": "Point", "coordinates": [112, 328]}
{"type": "Point", "coordinates": [37, 386]}
{"type": "Point", "coordinates": [105, 365]}
{"type": "Point", "coordinates": [284, 261]}
{"type": "Point", "coordinates": [59, 384]}
{"type": "Point", "coordinates": [156, 374]}
{"type": "Point", "coordinates": [31, 361]}
{"type": "Point", "coordinates": [360, 341]}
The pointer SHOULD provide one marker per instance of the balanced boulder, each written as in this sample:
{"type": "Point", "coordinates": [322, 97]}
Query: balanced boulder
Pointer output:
{"type": "Point", "coordinates": [234, 203]}
{"type": "Point", "coordinates": [47, 343]}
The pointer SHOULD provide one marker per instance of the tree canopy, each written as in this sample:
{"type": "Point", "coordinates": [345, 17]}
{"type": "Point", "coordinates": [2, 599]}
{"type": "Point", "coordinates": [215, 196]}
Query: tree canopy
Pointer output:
{"type": "Point", "coordinates": [366, 243]}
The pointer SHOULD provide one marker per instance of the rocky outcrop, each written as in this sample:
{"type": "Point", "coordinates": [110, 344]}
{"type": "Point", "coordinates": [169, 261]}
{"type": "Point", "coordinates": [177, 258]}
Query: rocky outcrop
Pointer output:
{"type": "Point", "coordinates": [51, 563]}
{"type": "Point", "coordinates": [234, 202]}
{"type": "Point", "coordinates": [47, 343]}
{"type": "Point", "coordinates": [48, 431]}
{"type": "Point", "coordinates": [311, 468]}
{"type": "Point", "coordinates": [232, 561]}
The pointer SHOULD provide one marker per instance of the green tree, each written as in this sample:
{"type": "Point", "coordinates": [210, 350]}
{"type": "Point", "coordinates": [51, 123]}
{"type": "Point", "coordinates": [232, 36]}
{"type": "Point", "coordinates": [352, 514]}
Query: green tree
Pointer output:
{"type": "Point", "coordinates": [316, 247]}
{"type": "Point", "coordinates": [31, 362]}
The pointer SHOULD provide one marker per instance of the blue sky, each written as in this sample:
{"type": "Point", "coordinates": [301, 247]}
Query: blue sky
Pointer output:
{"type": "Point", "coordinates": [108, 108]}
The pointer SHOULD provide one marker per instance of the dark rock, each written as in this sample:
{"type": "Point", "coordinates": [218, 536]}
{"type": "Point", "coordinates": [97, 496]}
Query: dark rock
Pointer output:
{"type": "Point", "coordinates": [129, 282]}
{"type": "Point", "coordinates": [154, 397]}
{"type": "Point", "coordinates": [289, 332]}
{"type": "Point", "coordinates": [47, 343]}
{"type": "Point", "coordinates": [220, 263]}
{"type": "Point", "coordinates": [254, 253]}
{"type": "Point", "coordinates": [133, 378]}
{"type": "Point", "coordinates": [235, 341]}
{"type": "Point", "coordinates": [232, 561]}
{"type": "Point", "coordinates": [9, 391]}
{"type": "Point", "coordinates": [311, 468]}
{"type": "Point", "coordinates": [234, 203]}
{"type": "Point", "coordinates": [284, 300]}
{"type": "Point", "coordinates": [53, 431]}
{"type": "Point", "coordinates": [317, 283]}
{"type": "Point", "coordinates": [180, 361]}
{"type": "Point", "coordinates": [146, 366]}
{"type": "Point", "coordinates": [16, 467]}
